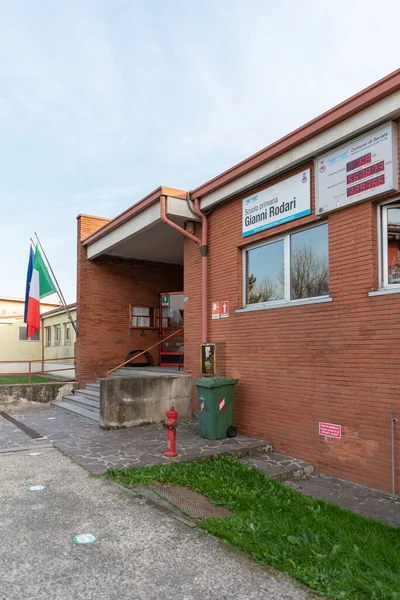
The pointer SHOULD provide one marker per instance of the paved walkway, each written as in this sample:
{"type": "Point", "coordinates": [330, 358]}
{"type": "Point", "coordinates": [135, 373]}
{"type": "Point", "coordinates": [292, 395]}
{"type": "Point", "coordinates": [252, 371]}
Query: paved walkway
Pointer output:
{"type": "Point", "coordinates": [97, 449]}
{"type": "Point", "coordinates": [365, 501]}
{"type": "Point", "coordinates": [141, 553]}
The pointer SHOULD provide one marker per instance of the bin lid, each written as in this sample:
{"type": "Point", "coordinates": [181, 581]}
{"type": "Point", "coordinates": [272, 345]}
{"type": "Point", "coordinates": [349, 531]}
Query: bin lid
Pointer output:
{"type": "Point", "coordinates": [213, 382]}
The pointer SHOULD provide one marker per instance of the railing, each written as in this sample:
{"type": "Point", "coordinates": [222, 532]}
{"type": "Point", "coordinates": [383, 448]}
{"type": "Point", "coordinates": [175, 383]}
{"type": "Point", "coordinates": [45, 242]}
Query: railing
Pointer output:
{"type": "Point", "coordinates": [143, 352]}
{"type": "Point", "coordinates": [41, 371]}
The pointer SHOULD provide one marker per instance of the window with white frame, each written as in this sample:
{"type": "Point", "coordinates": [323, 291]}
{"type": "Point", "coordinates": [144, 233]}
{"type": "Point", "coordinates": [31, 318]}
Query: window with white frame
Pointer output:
{"type": "Point", "coordinates": [57, 335]}
{"type": "Point", "coordinates": [293, 267]}
{"type": "Point", "coordinates": [67, 334]}
{"type": "Point", "coordinates": [48, 336]}
{"type": "Point", "coordinates": [23, 337]}
{"type": "Point", "coordinates": [390, 253]}
{"type": "Point", "coordinates": [144, 317]}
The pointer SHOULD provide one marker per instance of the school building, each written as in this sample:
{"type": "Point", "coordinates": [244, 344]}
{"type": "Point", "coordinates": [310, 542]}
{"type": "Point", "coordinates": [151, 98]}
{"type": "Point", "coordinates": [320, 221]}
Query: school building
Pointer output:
{"type": "Point", "coordinates": [290, 263]}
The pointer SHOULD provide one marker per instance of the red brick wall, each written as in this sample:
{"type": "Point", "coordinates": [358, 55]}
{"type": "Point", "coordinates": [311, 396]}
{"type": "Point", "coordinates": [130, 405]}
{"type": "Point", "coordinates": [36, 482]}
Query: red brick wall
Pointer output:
{"type": "Point", "coordinates": [337, 362]}
{"type": "Point", "coordinates": [106, 287]}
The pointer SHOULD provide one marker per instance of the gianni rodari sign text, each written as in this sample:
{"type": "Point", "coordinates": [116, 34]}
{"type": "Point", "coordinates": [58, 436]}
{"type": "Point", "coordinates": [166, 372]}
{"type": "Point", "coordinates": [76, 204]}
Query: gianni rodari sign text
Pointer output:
{"type": "Point", "coordinates": [285, 201]}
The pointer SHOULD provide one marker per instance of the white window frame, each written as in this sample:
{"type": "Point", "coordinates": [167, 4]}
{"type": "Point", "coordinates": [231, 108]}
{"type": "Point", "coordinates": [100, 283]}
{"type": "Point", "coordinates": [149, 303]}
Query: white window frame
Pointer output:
{"type": "Point", "coordinates": [383, 245]}
{"type": "Point", "coordinates": [57, 342]}
{"type": "Point", "coordinates": [67, 341]}
{"type": "Point", "coordinates": [285, 301]}
{"type": "Point", "coordinates": [48, 338]}
{"type": "Point", "coordinates": [37, 339]}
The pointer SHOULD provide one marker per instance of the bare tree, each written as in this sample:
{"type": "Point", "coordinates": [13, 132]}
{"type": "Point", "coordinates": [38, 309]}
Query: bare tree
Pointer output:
{"type": "Point", "coordinates": [308, 273]}
{"type": "Point", "coordinates": [263, 291]}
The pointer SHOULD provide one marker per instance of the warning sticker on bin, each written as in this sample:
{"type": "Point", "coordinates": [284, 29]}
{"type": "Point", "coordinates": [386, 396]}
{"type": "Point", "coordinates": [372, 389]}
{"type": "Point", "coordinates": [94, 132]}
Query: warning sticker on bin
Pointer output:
{"type": "Point", "coordinates": [202, 409]}
{"type": "Point", "coordinates": [222, 404]}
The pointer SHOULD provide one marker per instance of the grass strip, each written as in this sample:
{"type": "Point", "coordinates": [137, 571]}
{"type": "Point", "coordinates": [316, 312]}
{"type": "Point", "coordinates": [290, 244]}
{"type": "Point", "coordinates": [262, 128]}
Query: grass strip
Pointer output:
{"type": "Point", "coordinates": [22, 379]}
{"type": "Point", "coordinates": [341, 554]}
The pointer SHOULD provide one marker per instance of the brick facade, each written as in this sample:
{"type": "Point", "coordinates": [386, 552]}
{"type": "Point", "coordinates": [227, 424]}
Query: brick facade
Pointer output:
{"type": "Point", "coordinates": [106, 287]}
{"type": "Point", "coordinates": [336, 362]}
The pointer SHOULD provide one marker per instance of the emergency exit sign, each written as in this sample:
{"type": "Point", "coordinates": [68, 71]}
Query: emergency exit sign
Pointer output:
{"type": "Point", "coordinates": [165, 300]}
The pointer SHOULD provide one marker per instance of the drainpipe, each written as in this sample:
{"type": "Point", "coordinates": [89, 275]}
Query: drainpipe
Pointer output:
{"type": "Point", "coordinates": [203, 251]}
{"type": "Point", "coordinates": [204, 269]}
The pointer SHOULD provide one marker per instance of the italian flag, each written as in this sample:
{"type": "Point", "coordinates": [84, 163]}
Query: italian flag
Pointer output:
{"type": "Point", "coordinates": [39, 285]}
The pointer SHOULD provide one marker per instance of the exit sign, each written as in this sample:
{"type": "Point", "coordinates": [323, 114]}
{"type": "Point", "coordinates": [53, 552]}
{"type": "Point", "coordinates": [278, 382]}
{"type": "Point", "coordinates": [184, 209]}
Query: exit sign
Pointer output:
{"type": "Point", "coordinates": [165, 300]}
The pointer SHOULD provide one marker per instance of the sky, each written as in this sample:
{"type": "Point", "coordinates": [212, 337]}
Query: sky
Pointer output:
{"type": "Point", "coordinates": [102, 101]}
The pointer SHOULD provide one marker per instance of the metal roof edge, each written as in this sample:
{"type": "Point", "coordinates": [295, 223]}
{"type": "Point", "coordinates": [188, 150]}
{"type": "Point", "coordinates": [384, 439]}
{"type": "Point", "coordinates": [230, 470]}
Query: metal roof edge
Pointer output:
{"type": "Point", "coordinates": [380, 89]}
{"type": "Point", "coordinates": [134, 210]}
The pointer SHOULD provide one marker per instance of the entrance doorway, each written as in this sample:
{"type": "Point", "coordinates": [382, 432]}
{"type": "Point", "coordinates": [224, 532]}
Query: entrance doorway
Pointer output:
{"type": "Point", "coordinates": [171, 311]}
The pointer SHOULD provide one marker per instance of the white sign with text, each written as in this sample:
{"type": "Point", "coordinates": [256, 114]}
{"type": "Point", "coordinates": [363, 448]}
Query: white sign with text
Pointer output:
{"type": "Point", "coordinates": [283, 202]}
{"type": "Point", "coordinates": [363, 168]}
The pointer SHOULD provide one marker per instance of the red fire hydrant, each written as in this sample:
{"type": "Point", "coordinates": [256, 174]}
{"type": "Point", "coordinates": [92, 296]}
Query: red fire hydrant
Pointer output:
{"type": "Point", "coordinates": [171, 424]}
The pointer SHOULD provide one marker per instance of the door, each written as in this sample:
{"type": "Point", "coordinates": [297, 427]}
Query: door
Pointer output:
{"type": "Point", "coordinates": [171, 311]}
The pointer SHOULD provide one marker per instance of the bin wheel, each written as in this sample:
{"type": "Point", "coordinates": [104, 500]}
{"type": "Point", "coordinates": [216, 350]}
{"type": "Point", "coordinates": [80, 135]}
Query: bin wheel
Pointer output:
{"type": "Point", "coordinates": [231, 432]}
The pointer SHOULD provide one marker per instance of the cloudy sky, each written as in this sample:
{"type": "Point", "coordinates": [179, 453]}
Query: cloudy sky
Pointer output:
{"type": "Point", "coordinates": [102, 101]}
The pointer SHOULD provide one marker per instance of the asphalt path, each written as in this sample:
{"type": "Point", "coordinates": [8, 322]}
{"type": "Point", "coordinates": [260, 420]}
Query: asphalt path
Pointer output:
{"type": "Point", "coordinates": [141, 552]}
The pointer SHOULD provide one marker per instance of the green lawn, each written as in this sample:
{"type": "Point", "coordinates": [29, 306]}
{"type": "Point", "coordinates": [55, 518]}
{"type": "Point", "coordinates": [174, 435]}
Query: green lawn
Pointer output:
{"type": "Point", "coordinates": [333, 550]}
{"type": "Point", "coordinates": [16, 379]}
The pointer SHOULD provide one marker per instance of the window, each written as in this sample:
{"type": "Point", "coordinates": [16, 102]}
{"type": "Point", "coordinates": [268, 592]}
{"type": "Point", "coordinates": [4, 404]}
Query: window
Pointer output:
{"type": "Point", "coordinates": [23, 338]}
{"type": "Point", "coordinates": [67, 335]}
{"type": "Point", "coordinates": [390, 219]}
{"type": "Point", "coordinates": [143, 317]}
{"type": "Point", "coordinates": [291, 268]}
{"type": "Point", "coordinates": [48, 336]}
{"type": "Point", "coordinates": [57, 335]}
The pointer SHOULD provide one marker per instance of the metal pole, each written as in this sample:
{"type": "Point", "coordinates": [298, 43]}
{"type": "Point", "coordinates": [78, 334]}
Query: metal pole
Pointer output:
{"type": "Point", "coordinates": [29, 372]}
{"type": "Point", "coordinates": [59, 292]}
{"type": "Point", "coordinates": [393, 420]}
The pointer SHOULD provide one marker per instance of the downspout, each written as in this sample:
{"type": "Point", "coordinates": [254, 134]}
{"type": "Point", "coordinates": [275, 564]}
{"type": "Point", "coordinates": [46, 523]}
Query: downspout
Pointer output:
{"type": "Point", "coordinates": [203, 251]}
{"type": "Point", "coordinates": [204, 269]}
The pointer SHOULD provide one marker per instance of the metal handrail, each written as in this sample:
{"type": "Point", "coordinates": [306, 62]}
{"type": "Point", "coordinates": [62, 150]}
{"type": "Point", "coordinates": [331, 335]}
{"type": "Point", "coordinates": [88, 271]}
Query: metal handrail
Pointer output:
{"type": "Point", "coordinates": [143, 352]}
{"type": "Point", "coordinates": [42, 372]}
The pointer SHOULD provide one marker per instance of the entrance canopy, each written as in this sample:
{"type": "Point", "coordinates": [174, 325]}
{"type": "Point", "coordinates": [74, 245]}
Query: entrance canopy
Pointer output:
{"type": "Point", "coordinates": [139, 233]}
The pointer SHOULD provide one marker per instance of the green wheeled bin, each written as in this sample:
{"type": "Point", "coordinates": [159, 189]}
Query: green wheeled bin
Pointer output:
{"type": "Point", "coordinates": [215, 396]}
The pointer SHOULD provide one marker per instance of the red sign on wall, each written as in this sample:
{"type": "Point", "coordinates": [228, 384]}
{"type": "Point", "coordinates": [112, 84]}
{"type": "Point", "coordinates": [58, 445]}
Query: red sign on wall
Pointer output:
{"type": "Point", "coordinates": [224, 308]}
{"type": "Point", "coordinates": [330, 430]}
{"type": "Point", "coordinates": [215, 310]}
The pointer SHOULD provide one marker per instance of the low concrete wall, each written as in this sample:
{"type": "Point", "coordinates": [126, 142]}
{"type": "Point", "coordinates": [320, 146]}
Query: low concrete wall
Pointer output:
{"type": "Point", "coordinates": [35, 392]}
{"type": "Point", "coordinates": [130, 401]}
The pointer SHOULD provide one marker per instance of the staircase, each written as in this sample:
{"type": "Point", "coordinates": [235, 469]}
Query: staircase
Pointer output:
{"type": "Point", "coordinates": [86, 402]}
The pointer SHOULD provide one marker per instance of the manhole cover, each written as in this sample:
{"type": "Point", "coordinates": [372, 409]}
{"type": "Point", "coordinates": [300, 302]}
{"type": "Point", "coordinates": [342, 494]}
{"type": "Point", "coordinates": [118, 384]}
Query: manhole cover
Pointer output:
{"type": "Point", "coordinates": [192, 503]}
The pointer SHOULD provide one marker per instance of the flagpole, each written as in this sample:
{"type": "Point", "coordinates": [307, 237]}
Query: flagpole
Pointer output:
{"type": "Point", "coordinates": [59, 292]}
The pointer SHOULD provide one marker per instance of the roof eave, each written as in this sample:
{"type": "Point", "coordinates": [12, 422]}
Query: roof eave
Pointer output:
{"type": "Point", "coordinates": [370, 95]}
{"type": "Point", "coordinates": [134, 210]}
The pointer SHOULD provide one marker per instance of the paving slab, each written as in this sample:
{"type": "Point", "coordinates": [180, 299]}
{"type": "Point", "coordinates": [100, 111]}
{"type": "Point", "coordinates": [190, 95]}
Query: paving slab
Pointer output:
{"type": "Point", "coordinates": [97, 449]}
{"type": "Point", "coordinates": [141, 553]}
{"type": "Point", "coordinates": [13, 438]}
{"type": "Point", "coordinates": [365, 501]}
{"type": "Point", "coordinates": [278, 466]}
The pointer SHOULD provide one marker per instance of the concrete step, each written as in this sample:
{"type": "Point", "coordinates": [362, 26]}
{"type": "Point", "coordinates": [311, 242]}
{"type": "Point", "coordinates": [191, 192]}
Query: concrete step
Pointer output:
{"type": "Point", "coordinates": [88, 393]}
{"type": "Point", "coordinates": [86, 403]}
{"type": "Point", "coordinates": [149, 372]}
{"type": "Point", "coordinates": [78, 410]}
{"type": "Point", "coordinates": [278, 466]}
{"type": "Point", "coordinates": [93, 386]}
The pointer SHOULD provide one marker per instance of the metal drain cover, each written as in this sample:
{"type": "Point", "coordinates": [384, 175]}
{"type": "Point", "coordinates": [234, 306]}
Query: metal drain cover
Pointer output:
{"type": "Point", "coordinates": [192, 503]}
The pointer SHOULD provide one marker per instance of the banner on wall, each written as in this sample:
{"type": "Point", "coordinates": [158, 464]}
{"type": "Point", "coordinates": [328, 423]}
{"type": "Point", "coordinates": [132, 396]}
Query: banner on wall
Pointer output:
{"type": "Point", "coordinates": [280, 203]}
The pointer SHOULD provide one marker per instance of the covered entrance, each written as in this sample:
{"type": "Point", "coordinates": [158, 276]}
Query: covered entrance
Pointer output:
{"type": "Point", "coordinates": [131, 268]}
{"type": "Point", "coordinates": [171, 311]}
